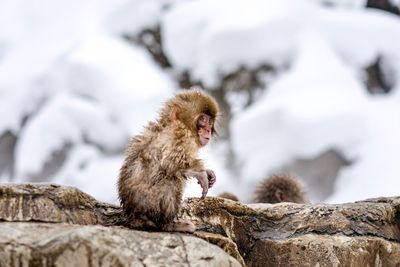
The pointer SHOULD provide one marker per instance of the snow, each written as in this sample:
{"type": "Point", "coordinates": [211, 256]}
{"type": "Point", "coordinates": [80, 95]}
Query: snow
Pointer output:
{"type": "Point", "coordinates": [65, 120]}
{"type": "Point", "coordinates": [344, 3]}
{"type": "Point", "coordinates": [69, 79]}
{"type": "Point", "coordinates": [304, 113]}
{"type": "Point", "coordinates": [376, 172]}
{"type": "Point", "coordinates": [395, 3]}
{"type": "Point", "coordinates": [122, 77]}
{"type": "Point", "coordinates": [43, 30]}
{"type": "Point", "coordinates": [203, 41]}
{"type": "Point", "coordinates": [92, 172]}
{"type": "Point", "coordinates": [136, 15]}
{"type": "Point", "coordinates": [16, 102]}
{"type": "Point", "coordinates": [318, 104]}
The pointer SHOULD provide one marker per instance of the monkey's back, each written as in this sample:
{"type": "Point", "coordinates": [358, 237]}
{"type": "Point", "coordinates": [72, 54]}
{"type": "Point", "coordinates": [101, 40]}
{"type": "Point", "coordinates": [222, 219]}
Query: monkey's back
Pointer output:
{"type": "Point", "coordinates": [147, 187]}
{"type": "Point", "coordinates": [289, 185]}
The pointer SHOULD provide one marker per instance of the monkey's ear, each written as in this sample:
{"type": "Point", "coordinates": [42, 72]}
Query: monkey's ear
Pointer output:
{"type": "Point", "coordinates": [280, 196]}
{"type": "Point", "coordinates": [174, 112]}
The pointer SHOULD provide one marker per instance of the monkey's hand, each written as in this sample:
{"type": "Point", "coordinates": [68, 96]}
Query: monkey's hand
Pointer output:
{"type": "Point", "coordinates": [211, 178]}
{"type": "Point", "coordinates": [202, 180]}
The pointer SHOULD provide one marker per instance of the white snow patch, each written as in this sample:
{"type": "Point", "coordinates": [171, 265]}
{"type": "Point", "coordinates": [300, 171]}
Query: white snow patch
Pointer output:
{"type": "Point", "coordinates": [302, 114]}
{"type": "Point", "coordinates": [212, 42]}
{"type": "Point", "coordinates": [65, 120]}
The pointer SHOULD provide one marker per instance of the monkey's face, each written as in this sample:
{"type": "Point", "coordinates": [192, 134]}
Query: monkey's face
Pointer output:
{"type": "Point", "coordinates": [205, 125]}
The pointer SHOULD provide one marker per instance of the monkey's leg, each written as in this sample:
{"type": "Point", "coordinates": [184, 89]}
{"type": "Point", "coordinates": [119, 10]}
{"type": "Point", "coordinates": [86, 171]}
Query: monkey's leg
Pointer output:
{"type": "Point", "coordinates": [141, 222]}
{"type": "Point", "coordinates": [181, 225]}
{"type": "Point", "coordinates": [202, 179]}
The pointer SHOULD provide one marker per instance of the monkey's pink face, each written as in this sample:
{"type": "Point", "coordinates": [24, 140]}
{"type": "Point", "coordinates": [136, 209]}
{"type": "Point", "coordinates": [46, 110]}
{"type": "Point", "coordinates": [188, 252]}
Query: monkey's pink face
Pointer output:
{"type": "Point", "coordinates": [205, 127]}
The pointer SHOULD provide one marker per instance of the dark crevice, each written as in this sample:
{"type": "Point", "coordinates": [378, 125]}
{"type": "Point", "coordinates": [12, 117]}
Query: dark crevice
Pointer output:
{"type": "Point", "coordinates": [385, 5]}
{"type": "Point", "coordinates": [184, 250]}
{"type": "Point", "coordinates": [7, 153]}
{"type": "Point", "coordinates": [151, 40]}
{"type": "Point", "coordinates": [380, 77]}
{"type": "Point", "coordinates": [209, 228]}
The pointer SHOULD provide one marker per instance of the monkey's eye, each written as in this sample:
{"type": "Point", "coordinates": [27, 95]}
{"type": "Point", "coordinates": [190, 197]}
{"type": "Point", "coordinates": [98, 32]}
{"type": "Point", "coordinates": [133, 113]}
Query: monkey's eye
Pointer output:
{"type": "Point", "coordinates": [201, 121]}
{"type": "Point", "coordinates": [210, 122]}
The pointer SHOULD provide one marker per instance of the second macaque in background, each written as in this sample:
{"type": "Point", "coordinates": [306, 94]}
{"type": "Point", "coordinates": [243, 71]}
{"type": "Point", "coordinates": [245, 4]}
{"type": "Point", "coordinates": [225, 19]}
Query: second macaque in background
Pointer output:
{"type": "Point", "coordinates": [281, 188]}
{"type": "Point", "coordinates": [275, 189]}
{"type": "Point", "coordinates": [228, 195]}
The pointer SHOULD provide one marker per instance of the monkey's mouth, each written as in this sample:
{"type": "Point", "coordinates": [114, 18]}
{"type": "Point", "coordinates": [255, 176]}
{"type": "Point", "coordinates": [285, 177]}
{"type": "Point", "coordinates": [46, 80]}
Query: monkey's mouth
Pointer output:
{"type": "Point", "coordinates": [204, 140]}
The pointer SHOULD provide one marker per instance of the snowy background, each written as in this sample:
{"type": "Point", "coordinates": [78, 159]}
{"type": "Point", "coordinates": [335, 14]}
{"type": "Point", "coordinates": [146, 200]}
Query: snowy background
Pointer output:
{"type": "Point", "coordinates": [310, 87]}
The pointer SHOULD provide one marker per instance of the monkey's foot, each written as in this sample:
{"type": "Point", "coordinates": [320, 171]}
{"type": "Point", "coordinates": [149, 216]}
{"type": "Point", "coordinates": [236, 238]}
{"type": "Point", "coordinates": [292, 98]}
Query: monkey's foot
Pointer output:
{"type": "Point", "coordinates": [183, 225]}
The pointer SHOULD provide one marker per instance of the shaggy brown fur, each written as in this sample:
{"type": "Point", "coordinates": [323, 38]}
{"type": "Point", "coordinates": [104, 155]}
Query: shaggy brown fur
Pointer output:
{"type": "Point", "coordinates": [228, 195]}
{"type": "Point", "coordinates": [281, 188]}
{"type": "Point", "coordinates": [160, 159]}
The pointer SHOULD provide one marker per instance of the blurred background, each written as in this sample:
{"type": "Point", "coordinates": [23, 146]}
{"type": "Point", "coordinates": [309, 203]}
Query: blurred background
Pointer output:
{"type": "Point", "coordinates": [310, 87]}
